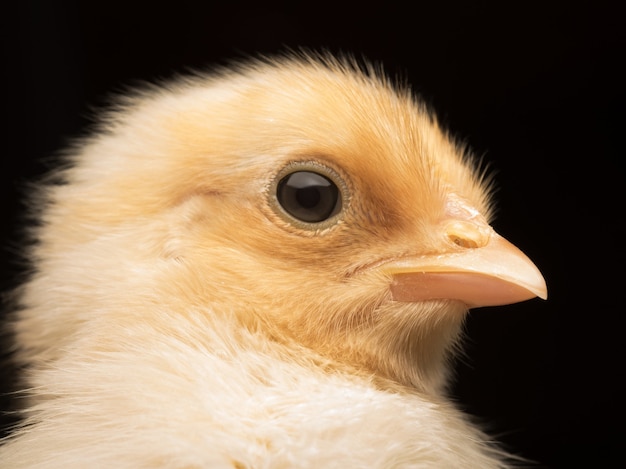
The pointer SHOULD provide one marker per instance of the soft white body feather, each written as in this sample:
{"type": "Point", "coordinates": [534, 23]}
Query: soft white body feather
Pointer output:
{"type": "Point", "coordinates": [187, 407]}
{"type": "Point", "coordinates": [174, 319]}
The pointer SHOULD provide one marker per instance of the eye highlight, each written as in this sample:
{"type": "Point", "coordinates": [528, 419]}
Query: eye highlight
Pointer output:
{"type": "Point", "coordinates": [308, 195]}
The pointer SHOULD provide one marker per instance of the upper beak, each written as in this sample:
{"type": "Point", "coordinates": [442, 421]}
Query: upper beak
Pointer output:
{"type": "Point", "coordinates": [483, 269]}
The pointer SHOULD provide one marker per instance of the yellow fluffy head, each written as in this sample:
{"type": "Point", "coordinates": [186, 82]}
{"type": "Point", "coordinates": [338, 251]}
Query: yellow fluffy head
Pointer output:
{"type": "Point", "coordinates": [170, 210]}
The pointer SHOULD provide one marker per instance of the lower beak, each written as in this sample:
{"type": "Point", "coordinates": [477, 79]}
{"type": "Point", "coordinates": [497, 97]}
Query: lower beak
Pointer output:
{"type": "Point", "coordinates": [496, 273]}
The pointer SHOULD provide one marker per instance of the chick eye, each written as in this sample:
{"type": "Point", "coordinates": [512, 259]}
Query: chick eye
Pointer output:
{"type": "Point", "coordinates": [308, 196]}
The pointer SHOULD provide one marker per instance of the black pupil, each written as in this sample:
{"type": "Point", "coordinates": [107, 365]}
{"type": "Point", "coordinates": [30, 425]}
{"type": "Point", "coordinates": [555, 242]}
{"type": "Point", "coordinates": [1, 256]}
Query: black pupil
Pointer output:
{"type": "Point", "coordinates": [308, 196]}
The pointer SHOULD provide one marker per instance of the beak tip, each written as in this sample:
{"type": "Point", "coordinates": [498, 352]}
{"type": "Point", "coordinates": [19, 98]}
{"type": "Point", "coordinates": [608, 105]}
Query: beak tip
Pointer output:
{"type": "Point", "coordinates": [536, 282]}
{"type": "Point", "coordinates": [543, 293]}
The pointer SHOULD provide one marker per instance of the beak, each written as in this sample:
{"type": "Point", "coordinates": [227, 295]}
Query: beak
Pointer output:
{"type": "Point", "coordinates": [483, 269]}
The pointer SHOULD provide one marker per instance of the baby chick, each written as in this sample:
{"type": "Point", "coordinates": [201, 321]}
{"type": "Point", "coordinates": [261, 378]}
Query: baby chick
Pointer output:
{"type": "Point", "coordinates": [266, 267]}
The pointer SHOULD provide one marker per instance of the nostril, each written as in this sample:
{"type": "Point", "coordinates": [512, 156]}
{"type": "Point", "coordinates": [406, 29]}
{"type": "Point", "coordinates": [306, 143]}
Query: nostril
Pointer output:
{"type": "Point", "coordinates": [468, 235]}
{"type": "Point", "coordinates": [463, 242]}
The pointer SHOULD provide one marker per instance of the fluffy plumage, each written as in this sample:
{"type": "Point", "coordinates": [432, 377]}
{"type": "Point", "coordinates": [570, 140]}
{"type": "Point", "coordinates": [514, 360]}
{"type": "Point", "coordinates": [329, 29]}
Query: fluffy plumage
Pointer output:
{"type": "Point", "coordinates": [180, 316]}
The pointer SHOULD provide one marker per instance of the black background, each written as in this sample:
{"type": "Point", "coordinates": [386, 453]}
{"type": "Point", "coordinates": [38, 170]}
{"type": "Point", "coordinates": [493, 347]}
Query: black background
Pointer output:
{"type": "Point", "coordinates": [536, 87]}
